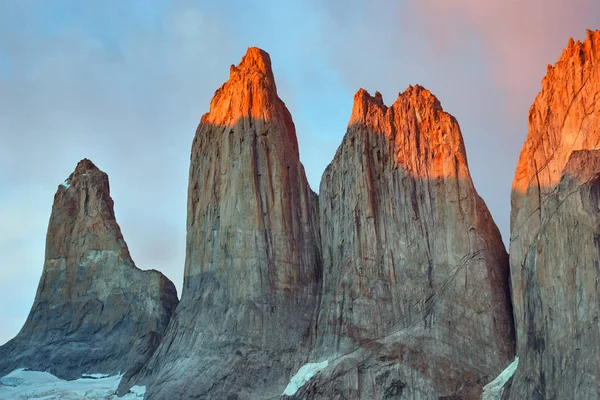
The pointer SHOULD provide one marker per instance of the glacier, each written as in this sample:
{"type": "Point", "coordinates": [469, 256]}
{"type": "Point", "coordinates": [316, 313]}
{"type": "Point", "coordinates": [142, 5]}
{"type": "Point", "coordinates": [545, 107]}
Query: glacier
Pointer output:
{"type": "Point", "coordinates": [33, 385]}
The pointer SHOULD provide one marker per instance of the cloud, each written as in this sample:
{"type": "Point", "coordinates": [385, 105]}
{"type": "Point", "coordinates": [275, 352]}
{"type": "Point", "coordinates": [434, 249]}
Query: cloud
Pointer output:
{"type": "Point", "coordinates": [484, 60]}
{"type": "Point", "coordinates": [519, 38]}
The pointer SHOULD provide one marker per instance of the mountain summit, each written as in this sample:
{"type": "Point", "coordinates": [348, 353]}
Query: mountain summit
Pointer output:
{"type": "Point", "coordinates": [253, 259]}
{"type": "Point", "coordinates": [555, 226]}
{"type": "Point", "coordinates": [414, 269]}
{"type": "Point", "coordinates": [250, 95]}
{"type": "Point", "coordinates": [94, 310]}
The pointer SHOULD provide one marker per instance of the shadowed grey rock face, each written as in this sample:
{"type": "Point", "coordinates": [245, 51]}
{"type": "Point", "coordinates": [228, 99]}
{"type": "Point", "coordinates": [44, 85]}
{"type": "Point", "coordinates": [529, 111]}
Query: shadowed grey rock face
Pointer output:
{"type": "Point", "coordinates": [554, 249]}
{"type": "Point", "coordinates": [560, 279]}
{"type": "Point", "coordinates": [94, 311]}
{"type": "Point", "coordinates": [415, 297]}
{"type": "Point", "coordinates": [253, 261]}
{"type": "Point", "coordinates": [393, 285]}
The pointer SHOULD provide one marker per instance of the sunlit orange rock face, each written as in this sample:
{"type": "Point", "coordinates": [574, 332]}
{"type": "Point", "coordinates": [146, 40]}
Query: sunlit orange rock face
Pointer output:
{"type": "Point", "coordinates": [563, 118]}
{"type": "Point", "coordinates": [253, 260]}
{"type": "Point", "coordinates": [425, 141]}
{"type": "Point", "coordinates": [415, 299]}
{"type": "Point", "coordinates": [554, 250]}
{"type": "Point", "coordinates": [250, 94]}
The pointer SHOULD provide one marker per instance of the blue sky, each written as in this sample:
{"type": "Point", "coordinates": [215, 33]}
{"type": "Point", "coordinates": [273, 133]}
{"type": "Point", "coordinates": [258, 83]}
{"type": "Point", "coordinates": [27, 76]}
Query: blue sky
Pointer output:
{"type": "Point", "coordinates": [125, 83]}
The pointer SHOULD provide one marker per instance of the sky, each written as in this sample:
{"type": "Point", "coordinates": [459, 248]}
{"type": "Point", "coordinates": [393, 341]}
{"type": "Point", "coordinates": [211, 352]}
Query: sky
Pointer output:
{"type": "Point", "coordinates": [124, 83]}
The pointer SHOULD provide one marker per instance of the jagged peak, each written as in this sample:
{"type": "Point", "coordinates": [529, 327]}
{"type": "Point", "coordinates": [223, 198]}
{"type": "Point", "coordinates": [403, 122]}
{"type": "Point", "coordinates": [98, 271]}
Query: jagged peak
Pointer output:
{"type": "Point", "coordinates": [419, 106]}
{"type": "Point", "coordinates": [556, 117]}
{"type": "Point", "coordinates": [86, 171]}
{"type": "Point", "coordinates": [250, 92]}
{"type": "Point", "coordinates": [364, 95]}
{"type": "Point", "coordinates": [578, 52]}
{"type": "Point", "coordinates": [365, 104]}
{"type": "Point", "coordinates": [575, 68]}
{"type": "Point", "coordinates": [255, 60]}
{"type": "Point", "coordinates": [85, 165]}
{"type": "Point", "coordinates": [421, 95]}
{"type": "Point", "coordinates": [592, 41]}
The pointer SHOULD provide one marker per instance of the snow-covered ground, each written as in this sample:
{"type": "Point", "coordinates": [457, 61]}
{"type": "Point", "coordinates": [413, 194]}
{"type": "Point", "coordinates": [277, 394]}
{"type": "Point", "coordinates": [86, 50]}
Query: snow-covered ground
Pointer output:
{"type": "Point", "coordinates": [304, 374]}
{"type": "Point", "coordinates": [33, 385]}
{"type": "Point", "coordinates": [494, 389]}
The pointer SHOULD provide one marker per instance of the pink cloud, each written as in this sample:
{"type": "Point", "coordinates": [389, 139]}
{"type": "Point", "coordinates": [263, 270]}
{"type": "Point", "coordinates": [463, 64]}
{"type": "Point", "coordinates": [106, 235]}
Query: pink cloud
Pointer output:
{"type": "Point", "coordinates": [518, 38]}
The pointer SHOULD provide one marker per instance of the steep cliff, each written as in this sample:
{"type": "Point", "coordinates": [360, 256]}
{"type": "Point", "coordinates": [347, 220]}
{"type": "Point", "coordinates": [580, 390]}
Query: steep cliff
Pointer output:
{"type": "Point", "coordinates": [415, 276]}
{"type": "Point", "coordinates": [554, 247]}
{"type": "Point", "coordinates": [94, 311]}
{"type": "Point", "coordinates": [253, 260]}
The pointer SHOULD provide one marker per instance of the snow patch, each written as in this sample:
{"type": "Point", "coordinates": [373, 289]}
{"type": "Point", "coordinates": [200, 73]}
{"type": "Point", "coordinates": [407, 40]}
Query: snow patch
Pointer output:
{"type": "Point", "coordinates": [304, 374]}
{"type": "Point", "coordinates": [138, 391]}
{"type": "Point", "coordinates": [65, 184]}
{"type": "Point", "coordinates": [33, 385]}
{"type": "Point", "coordinates": [494, 389]}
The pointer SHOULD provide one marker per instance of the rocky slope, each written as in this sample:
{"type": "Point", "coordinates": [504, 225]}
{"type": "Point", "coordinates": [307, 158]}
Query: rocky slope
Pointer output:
{"type": "Point", "coordinates": [415, 277]}
{"type": "Point", "coordinates": [94, 311]}
{"type": "Point", "coordinates": [253, 260]}
{"type": "Point", "coordinates": [554, 233]}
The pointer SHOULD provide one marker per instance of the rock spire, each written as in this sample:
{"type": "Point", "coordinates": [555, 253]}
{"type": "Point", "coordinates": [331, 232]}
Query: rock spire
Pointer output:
{"type": "Point", "coordinates": [415, 276]}
{"type": "Point", "coordinates": [94, 310]}
{"type": "Point", "coordinates": [554, 248]}
{"type": "Point", "coordinates": [253, 259]}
